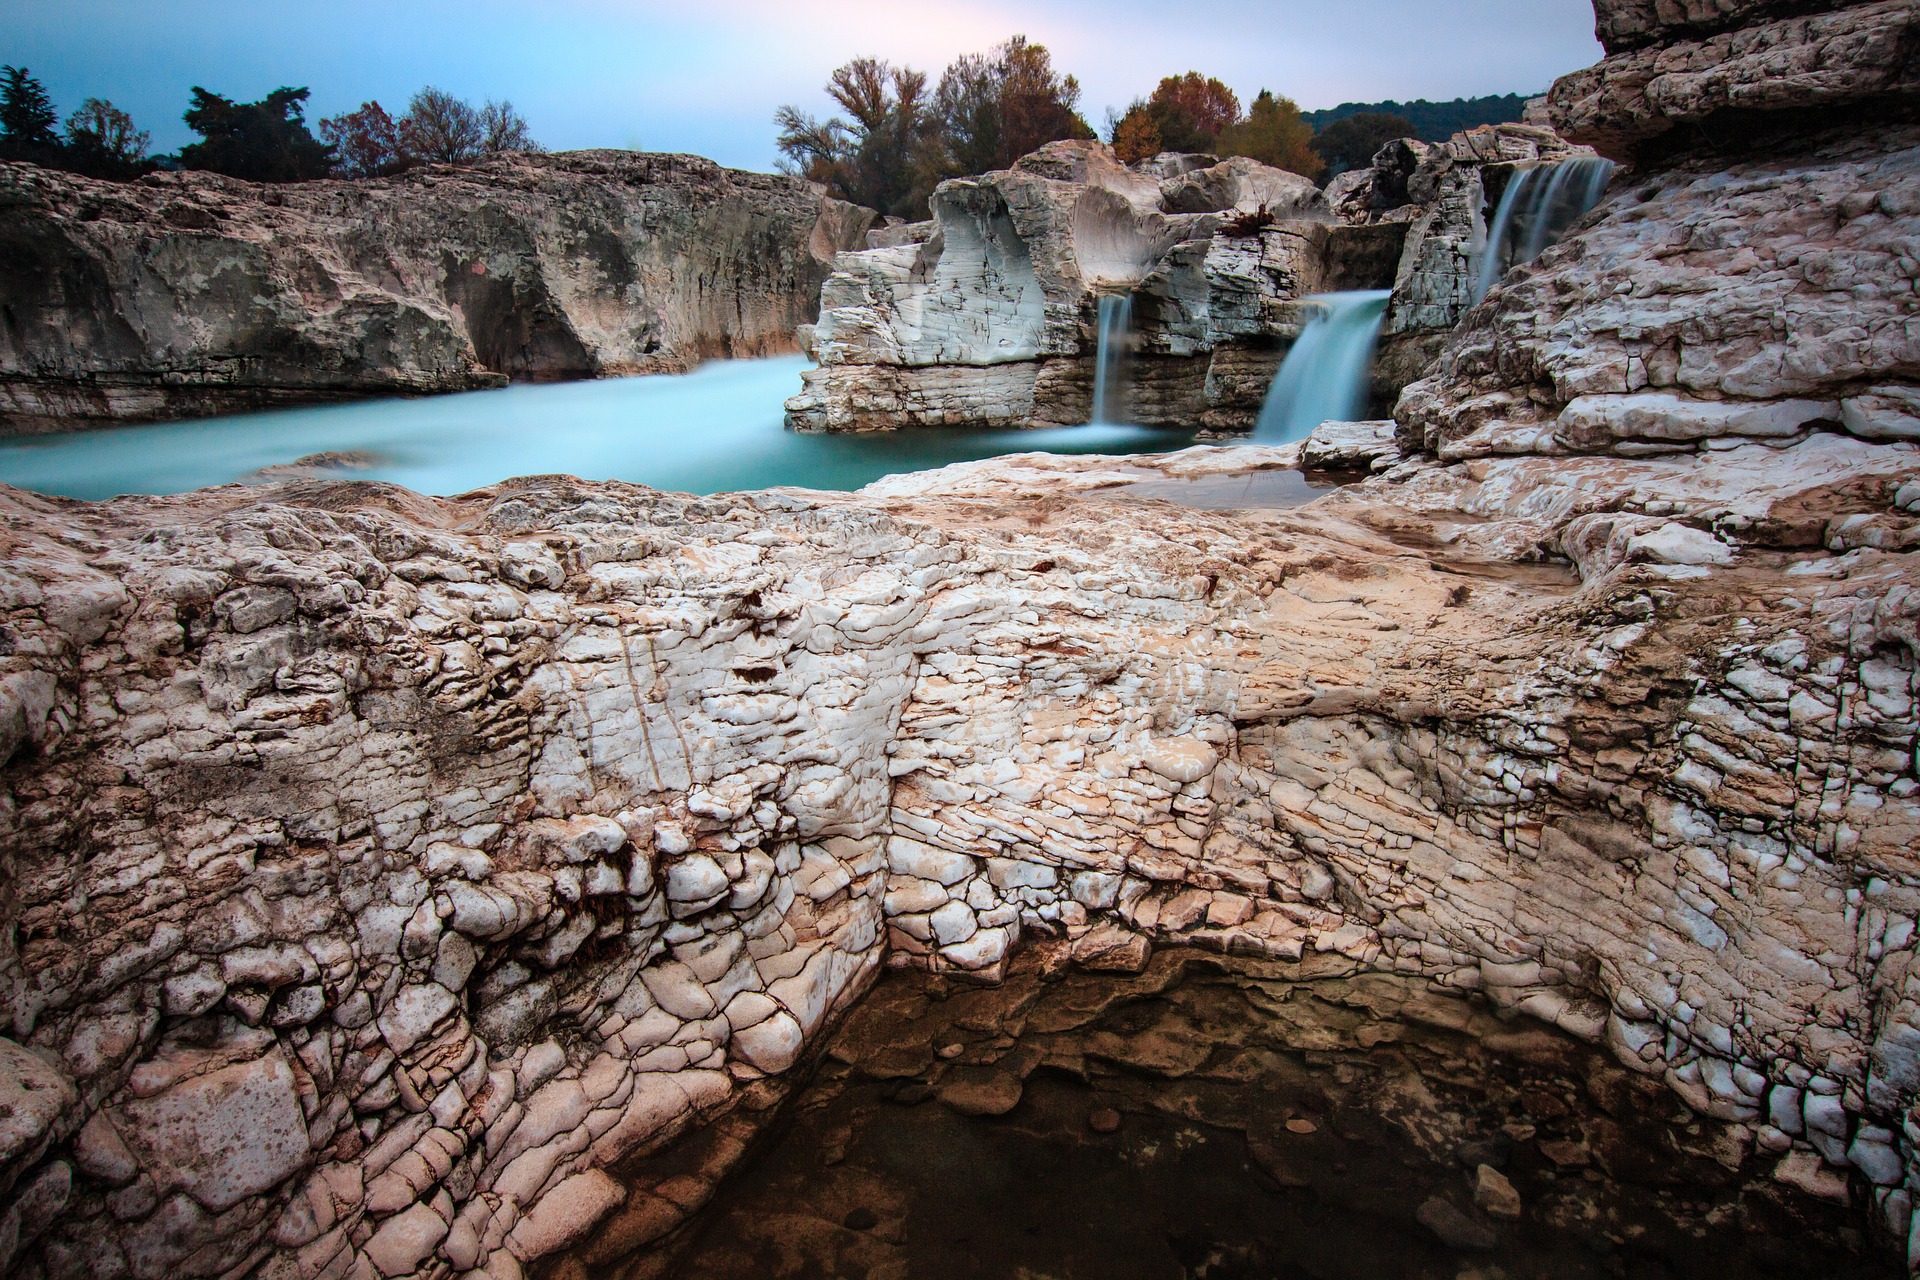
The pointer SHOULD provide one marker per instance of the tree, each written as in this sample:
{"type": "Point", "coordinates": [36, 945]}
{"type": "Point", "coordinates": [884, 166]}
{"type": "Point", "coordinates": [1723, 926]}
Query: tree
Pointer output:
{"type": "Point", "coordinates": [26, 118]}
{"type": "Point", "coordinates": [1351, 142]}
{"type": "Point", "coordinates": [1185, 113]}
{"type": "Point", "coordinates": [1135, 136]}
{"type": "Point", "coordinates": [1273, 133]}
{"type": "Point", "coordinates": [874, 159]}
{"type": "Point", "coordinates": [367, 141]}
{"type": "Point", "coordinates": [442, 129]}
{"type": "Point", "coordinates": [264, 141]}
{"type": "Point", "coordinates": [502, 129]}
{"type": "Point", "coordinates": [899, 141]}
{"type": "Point", "coordinates": [102, 142]}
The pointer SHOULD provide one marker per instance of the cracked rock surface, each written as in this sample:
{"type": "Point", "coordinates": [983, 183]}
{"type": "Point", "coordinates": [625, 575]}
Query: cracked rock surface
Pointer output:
{"type": "Point", "coordinates": [382, 871]}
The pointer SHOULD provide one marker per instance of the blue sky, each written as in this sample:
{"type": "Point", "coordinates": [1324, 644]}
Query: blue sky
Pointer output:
{"type": "Point", "coordinates": [706, 77]}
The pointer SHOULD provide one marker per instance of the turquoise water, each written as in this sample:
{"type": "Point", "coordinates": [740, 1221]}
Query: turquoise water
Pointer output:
{"type": "Point", "coordinates": [715, 430]}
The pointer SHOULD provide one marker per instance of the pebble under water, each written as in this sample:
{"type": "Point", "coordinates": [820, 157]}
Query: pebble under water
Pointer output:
{"type": "Point", "coordinates": [719, 429]}
{"type": "Point", "coordinates": [1217, 1118]}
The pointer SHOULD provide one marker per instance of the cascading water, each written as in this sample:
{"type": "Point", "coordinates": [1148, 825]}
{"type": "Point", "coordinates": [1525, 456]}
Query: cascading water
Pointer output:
{"type": "Point", "coordinates": [1324, 377]}
{"type": "Point", "coordinates": [1539, 204]}
{"type": "Point", "coordinates": [1110, 358]}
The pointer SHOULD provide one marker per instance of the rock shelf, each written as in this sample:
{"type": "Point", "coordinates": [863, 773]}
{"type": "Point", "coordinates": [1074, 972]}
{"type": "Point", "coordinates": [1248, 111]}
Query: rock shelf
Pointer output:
{"type": "Point", "coordinates": [383, 870]}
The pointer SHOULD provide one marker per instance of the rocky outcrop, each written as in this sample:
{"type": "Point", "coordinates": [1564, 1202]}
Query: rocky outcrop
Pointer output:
{"type": "Point", "coordinates": [383, 873]}
{"type": "Point", "coordinates": [1717, 297]}
{"type": "Point", "coordinates": [1714, 72]}
{"type": "Point", "coordinates": [185, 294]}
{"type": "Point", "coordinates": [990, 319]}
{"type": "Point", "coordinates": [988, 315]}
{"type": "Point", "coordinates": [1446, 194]}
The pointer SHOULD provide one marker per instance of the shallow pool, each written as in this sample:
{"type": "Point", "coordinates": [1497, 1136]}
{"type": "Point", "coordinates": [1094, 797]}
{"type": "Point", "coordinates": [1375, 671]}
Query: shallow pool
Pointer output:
{"type": "Point", "coordinates": [718, 429]}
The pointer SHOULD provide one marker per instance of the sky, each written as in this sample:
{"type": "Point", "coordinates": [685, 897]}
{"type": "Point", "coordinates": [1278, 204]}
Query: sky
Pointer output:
{"type": "Point", "coordinates": [706, 77]}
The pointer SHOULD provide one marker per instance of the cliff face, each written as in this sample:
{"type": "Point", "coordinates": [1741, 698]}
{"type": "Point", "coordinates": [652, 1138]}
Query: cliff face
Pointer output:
{"type": "Point", "coordinates": [992, 318]}
{"type": "Point", "coordinates": [186, 294]}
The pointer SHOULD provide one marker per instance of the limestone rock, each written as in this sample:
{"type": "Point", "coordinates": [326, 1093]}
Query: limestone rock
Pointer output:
{"type": "Point", "coordinates": [191, 293]}
{"type": "Point", "coordinates": [1744, 60]}
{"type": "Point", "coordinates": [222, 1136]}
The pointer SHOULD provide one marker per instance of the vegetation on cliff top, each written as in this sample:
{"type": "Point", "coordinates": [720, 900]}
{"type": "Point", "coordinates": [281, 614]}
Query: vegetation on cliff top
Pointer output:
{"type": "Point", "coordinates": [264, 141]}
{"type": "Point", "coordinates": [901, 141]}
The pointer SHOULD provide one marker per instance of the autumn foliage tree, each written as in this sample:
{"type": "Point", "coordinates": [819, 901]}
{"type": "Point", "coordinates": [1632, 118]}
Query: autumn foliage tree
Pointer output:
{"type": "Point", "coordinates": [438, 128]}
{"type": "Point", "coordinates": [1273, 133]}
{"type": "Point", "coordinates": [1196, 113]}
{"type": "Point", "coordinates": [898, 140]}
{"type": "Point", "coordinates": [1184, 113]}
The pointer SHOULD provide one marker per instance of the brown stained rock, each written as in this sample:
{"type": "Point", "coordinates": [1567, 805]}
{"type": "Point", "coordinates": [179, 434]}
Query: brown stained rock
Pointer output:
{"type": "Point", "coordinates": [1454, 1227]}
{"type": "Point", "coordinates": [1493, 1193]}
{"type": "Point", "coordinates": [1566, 1155]}
{"type": "Point", "coordinates": [34, 1097]}
{"type": "Point", "coordinates": [979, 1091]}
{"type": "Point", "coordinates": [224, 1136]}
{"type": "Point", "coordinates": [1103, 1120]}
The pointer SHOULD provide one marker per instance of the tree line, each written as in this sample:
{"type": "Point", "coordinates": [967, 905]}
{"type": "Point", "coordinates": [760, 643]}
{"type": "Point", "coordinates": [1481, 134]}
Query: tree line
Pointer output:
{"type": "Point", "coordinates": [901, 136]}
{"type": "Point", "coordinates": [264, 141]}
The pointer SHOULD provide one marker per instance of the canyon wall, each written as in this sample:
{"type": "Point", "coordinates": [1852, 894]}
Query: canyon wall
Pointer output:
{"type": "Point", "coordinates": [187, 294]}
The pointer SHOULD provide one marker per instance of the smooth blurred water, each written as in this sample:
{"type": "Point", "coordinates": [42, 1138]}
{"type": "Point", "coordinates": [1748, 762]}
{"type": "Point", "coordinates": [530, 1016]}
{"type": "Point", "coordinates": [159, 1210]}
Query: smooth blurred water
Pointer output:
{"type": "Point", "coordinates": [1325, 375]}
{"type": "Point", "coordinates": [715, 430]}
{"type": "Point", "coordinates": [1111, 359]}
{"type": "Point", "coordinates": [1536, 209]}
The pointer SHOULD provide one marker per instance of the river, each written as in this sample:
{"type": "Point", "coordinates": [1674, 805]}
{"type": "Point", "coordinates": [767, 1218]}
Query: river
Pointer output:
{"type": "Point", "coordinates": [715, 430]}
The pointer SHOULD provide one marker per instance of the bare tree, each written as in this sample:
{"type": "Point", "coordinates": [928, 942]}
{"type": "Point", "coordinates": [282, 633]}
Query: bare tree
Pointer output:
{"type": "Point", "coordinates": [443, 129]}
{"type": "Point", "coordinates": [504, 129]}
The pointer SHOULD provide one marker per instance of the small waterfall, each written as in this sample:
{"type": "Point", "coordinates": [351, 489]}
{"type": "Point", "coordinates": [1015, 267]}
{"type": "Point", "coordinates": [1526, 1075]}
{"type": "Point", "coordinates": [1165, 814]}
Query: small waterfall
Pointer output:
{"type": "Point", "coordinates": [1110, 358]}
{"type": "Point", "coordinates": [1539, 204]}
{"type": "Point", "coordinates": [1324, 377]}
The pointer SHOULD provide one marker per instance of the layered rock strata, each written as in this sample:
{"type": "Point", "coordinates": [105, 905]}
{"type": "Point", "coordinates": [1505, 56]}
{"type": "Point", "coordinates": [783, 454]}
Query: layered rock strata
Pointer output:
{"type": "Point", "coordinates": [1755, 280]}
{"type": "Point", "coordinates": [988, 315]}
{"type": "Point", "coordinates": [185, 294]}
{"type": "Point", "coordinates": [383, 872]}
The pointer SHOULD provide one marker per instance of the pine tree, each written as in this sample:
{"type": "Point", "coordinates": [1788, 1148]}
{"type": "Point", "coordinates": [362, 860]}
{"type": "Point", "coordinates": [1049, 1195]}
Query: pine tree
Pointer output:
{"type": "Point", "coordinates": [27, 118]}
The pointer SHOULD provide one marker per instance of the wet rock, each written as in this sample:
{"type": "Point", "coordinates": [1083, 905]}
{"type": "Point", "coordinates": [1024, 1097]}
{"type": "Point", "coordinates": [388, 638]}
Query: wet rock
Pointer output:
{"type": "Point", "coordinates": [1453, 1227]}
{"type": "Point", "coordinates": [1493, 1193]}
{"type": "Point", "coordinates": [977, 1092]}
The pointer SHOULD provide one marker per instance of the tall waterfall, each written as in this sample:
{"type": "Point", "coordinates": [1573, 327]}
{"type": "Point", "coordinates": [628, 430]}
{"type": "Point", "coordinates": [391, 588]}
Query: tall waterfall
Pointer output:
{"type": "Point", "coordinates": [1110, 358]}
{"type": "Point", "coordinates": [1324, 377]}
{"type": "Point", "coordinates": [1538, 205]}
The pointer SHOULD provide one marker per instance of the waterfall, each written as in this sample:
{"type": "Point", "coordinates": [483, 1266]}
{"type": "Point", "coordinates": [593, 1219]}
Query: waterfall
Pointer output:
{"type": "Point", "coordinates": [1110, 358]}
{"type": "Point", "coordinates": [1539, 204]}
{"type": "Point", "coordinates": [1324, 377]}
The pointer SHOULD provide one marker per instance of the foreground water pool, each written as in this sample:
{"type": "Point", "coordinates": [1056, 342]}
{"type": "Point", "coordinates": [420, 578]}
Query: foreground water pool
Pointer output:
{"type": "Point", "coordinates": [1218, 1118]}
{"type": "Point", "coordinates": [715, 430]}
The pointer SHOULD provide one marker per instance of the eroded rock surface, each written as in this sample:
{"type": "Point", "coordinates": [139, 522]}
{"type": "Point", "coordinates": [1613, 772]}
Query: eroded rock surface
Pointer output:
{"type": "Point", "coordinates": [185, 294]}
{"type": "Point", "coordinates": [500, 838]}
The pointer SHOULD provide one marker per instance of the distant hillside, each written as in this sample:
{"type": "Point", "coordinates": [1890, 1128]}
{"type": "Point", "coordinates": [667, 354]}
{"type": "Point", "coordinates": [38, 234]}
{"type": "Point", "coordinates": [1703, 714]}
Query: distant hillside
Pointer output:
{"type": "Point", "coordinates": [1436, 121]}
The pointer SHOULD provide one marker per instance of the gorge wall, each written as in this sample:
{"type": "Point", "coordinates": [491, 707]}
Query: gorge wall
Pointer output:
{"type": "Point", "coordinates": [187, 294]}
